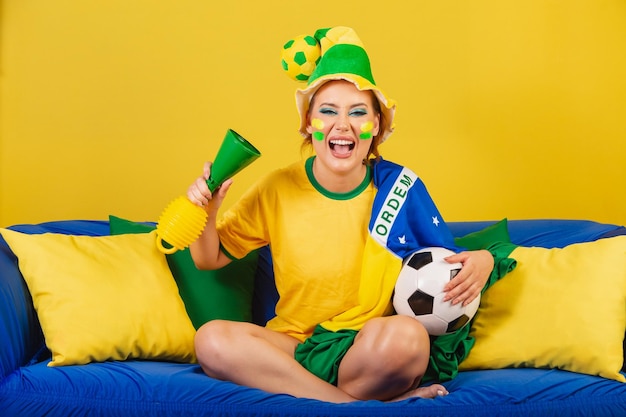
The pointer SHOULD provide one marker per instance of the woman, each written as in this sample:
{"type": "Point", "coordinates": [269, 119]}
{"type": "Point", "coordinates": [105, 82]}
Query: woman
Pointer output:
{"type": "Point", "coordinates": [334, 337]}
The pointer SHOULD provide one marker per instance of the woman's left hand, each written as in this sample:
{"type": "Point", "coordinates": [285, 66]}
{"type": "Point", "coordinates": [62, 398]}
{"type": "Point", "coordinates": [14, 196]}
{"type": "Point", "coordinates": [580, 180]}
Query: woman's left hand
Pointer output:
{"type": "Point", "coordinates": [469, 282]}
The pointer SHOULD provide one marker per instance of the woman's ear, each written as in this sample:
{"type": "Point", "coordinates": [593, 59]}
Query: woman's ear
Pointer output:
{"type": "Point", "coordinates": [309, 128]}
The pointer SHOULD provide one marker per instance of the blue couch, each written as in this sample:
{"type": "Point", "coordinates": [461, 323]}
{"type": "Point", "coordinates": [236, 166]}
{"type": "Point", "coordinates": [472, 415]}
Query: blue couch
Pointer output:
{"type": "Point", "coordinates": [28, 387]}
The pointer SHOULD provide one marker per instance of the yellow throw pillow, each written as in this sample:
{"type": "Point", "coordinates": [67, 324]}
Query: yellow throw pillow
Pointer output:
{"type": "Point", "coordinates": [103, 298]}
{"type": "Point", "coordinates": [560, 308]}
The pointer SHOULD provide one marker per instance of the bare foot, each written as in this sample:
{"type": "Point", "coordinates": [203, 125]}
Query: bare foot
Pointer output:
{"type": "Point", "coordinates": [431, 391]}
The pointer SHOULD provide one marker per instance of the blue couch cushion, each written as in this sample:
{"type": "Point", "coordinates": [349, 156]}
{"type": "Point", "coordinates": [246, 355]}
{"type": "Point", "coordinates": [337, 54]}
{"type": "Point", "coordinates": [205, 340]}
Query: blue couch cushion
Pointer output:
{"type": "Point", "coordinates": [136, 388]}
{"type": "Point", "coordinates": [547, 233]}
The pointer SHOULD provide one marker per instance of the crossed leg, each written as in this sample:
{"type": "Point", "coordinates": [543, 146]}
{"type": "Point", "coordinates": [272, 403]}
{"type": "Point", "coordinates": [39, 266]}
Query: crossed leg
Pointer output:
{"type": "Point", "coordinates": [387, 361]}
{"type": "Point", "coordinates": [254, 356]}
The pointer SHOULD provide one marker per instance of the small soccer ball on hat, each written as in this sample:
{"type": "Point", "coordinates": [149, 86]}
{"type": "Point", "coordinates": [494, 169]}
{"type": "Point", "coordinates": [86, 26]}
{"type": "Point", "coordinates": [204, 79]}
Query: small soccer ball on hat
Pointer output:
{"type": "Point", "coordinates": [419, 292]}
{"type": "Point", "coordinates": [299, 57]}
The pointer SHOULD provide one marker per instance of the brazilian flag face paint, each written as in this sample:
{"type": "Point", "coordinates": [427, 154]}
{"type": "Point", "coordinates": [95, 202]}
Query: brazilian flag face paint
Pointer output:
{"type": "Point", "coordinates": [366, 130]}
{"type": "Point", "coordinates": [319, 125]}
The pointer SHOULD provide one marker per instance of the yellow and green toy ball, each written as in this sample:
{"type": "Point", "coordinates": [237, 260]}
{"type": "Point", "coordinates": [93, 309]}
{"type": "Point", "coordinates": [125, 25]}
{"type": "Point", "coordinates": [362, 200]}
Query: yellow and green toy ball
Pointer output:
{"type": "Point", "coordinates": [300, 56]}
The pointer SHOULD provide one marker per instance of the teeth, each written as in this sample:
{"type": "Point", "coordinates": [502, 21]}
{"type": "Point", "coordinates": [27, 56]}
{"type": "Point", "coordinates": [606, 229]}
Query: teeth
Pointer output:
{"type": "Point", "coordinates": [341, 142]}
{"type": "Point", "coordinates": [344, 143]}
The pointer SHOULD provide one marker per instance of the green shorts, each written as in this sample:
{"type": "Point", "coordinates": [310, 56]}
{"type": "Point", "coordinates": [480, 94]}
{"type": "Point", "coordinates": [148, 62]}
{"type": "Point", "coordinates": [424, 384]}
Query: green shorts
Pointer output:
{"type": "Point", "coordinates": [322, 353]}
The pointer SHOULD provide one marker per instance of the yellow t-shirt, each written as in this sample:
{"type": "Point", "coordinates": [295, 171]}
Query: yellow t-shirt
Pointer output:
{"type": "Point", "coordinates": [317, 240]}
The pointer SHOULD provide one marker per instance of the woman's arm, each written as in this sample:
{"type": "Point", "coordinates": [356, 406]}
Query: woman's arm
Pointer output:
{"type": "Point", "coordinates": [205, 251]}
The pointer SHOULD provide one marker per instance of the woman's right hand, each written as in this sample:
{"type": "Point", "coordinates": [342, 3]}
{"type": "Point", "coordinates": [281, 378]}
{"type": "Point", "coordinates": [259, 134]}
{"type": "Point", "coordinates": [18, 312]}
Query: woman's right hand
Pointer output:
{"type": "Point", "coordinates": [199, 193]}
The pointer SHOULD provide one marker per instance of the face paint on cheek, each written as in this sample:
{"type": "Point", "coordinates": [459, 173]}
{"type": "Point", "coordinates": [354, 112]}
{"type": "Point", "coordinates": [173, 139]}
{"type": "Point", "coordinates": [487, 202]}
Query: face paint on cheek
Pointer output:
{"type": "Point", "coordinates": [366, 130]}
{"type": "Point", "coordinates": [318, 124]}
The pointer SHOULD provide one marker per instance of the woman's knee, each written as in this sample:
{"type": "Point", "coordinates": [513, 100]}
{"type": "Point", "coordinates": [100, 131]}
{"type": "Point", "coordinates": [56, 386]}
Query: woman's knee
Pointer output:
{"type": "Point", "coordinates": [388, 356]}
{"type": "Point", "coordinates": [400, 337]}
{"type": "Point", "coordinates": [399, 332]}
{"type": "Point", "coordinates": [213, 340]}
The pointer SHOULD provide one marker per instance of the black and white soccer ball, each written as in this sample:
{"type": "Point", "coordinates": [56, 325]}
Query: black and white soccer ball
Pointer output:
{"type": "Point", "coordinates": [419, 292]}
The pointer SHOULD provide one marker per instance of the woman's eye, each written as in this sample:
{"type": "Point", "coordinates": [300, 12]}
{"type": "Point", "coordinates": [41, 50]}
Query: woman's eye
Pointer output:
{"type": "Point", "coordinates": [358, 112]}
{"type": "Point", "coordinates": [327, 111]}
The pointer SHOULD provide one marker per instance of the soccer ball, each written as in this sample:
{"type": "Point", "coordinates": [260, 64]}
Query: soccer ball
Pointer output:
{"type": "Point", "coordinates": [419, 292]}
{"type": "Point", "coordinates": [299, 57]}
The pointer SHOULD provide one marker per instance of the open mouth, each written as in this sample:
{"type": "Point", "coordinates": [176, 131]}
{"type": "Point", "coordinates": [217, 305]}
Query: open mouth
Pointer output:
{"type": "Point", "coordinates": [341, 146]}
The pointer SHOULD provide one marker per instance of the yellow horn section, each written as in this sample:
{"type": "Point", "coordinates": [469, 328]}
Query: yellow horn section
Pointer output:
{"type": "Point", "coordinates": [180, 224]}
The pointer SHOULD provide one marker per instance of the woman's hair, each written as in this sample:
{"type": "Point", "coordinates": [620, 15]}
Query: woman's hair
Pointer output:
{"type": "Point", "coordinates": [373, 151]}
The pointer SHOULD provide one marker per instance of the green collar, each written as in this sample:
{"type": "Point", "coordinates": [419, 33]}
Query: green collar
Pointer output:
{"type": "Point", "coordinates": [308, 166]}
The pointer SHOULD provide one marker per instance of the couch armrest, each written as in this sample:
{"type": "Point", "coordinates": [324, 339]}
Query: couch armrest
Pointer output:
{"type": "Point", "coordinates": [19, 327]}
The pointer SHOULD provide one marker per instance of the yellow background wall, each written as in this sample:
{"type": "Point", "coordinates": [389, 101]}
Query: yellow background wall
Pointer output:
{"type": "Point", "coordinates": [506, 108]}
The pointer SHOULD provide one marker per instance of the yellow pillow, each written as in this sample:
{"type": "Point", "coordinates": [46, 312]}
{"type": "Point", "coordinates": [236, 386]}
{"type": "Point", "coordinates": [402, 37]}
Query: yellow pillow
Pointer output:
{"type": "Point", "coordinates": [560, 308]}
{"type": "Point", "coordinates": [103, 298]}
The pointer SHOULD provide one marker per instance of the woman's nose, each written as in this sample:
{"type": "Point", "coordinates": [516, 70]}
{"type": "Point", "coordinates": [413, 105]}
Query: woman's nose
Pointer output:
{"type": "Point", "coordinates": [343, 123]}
